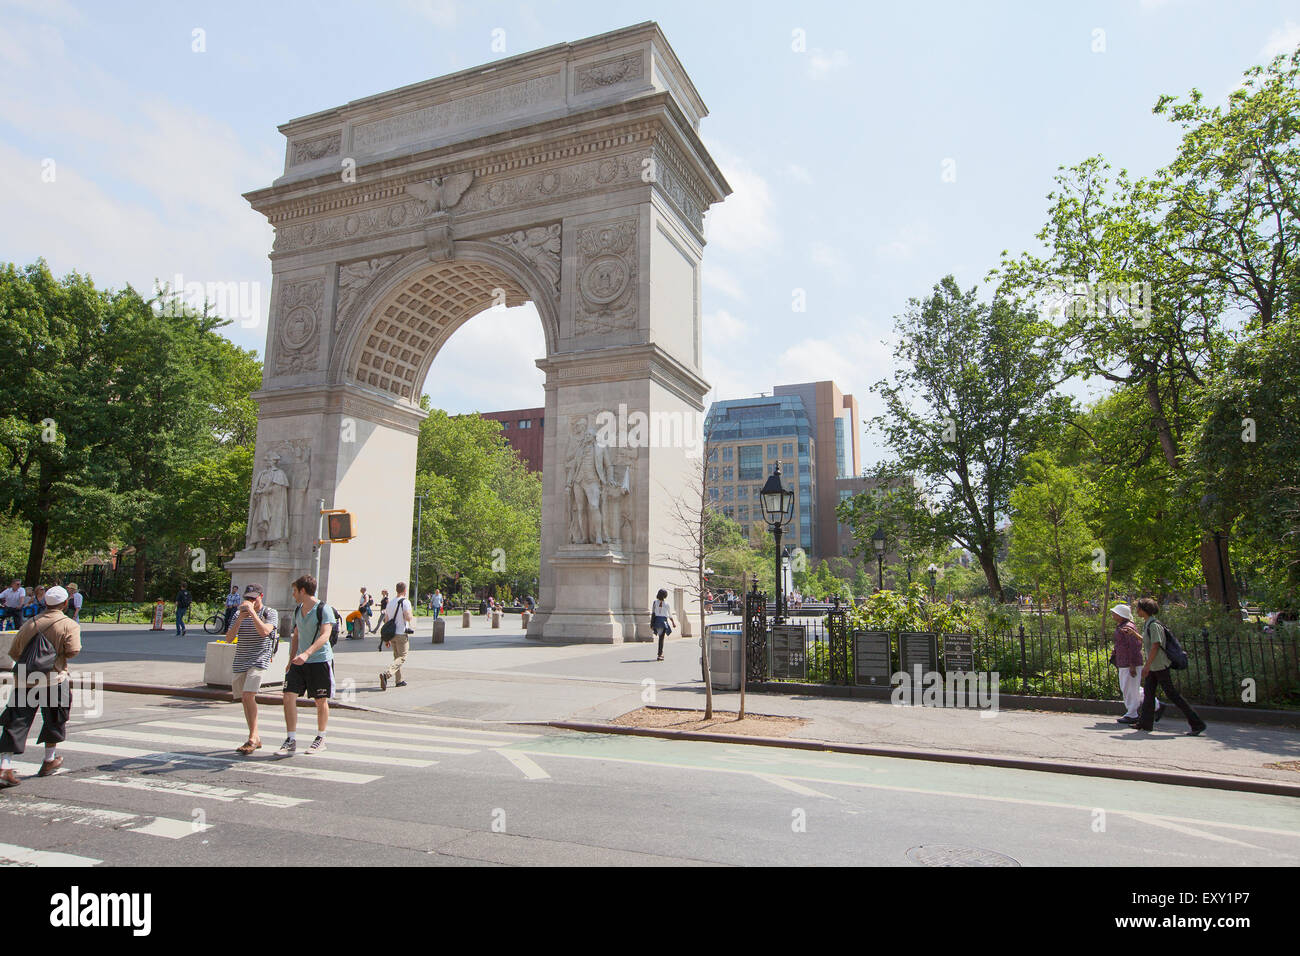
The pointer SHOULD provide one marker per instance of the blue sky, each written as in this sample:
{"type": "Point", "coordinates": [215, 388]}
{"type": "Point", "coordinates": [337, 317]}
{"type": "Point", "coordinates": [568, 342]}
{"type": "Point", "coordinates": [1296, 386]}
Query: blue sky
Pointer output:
{"type": "Point", "coordinates": [837, 153]}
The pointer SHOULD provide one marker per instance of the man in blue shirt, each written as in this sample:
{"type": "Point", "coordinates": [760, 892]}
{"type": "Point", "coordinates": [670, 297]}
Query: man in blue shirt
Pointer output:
{"type": "Point", "coordinates": [311, 665]}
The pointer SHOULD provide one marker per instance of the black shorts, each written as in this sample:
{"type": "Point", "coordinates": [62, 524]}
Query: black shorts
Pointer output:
{"type": "Point", "coordinates": [315, 679]}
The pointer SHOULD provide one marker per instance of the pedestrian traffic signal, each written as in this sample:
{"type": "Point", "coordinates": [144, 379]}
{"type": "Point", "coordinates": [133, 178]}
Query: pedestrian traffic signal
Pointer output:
{"type": "Point", "coordinates": [340, 526]}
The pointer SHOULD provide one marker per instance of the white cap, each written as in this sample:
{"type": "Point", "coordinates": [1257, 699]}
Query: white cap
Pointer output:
{"type": "Point", "coordinates": [1123, 611]}
{"type": "Point", "coordinates": [55, 596]}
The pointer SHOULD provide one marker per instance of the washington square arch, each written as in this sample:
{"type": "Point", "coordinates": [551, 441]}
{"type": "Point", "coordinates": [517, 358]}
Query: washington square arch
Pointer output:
{"type": "Point", "coordinates": [572, 177]}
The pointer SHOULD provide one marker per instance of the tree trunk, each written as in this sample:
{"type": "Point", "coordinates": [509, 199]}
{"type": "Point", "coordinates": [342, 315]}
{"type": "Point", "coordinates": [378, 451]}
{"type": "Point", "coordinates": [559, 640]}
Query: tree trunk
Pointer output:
{"type": "Point", "coordinates": [1065, 608]}
{"type": "Point", "coordinates": [1220, 586]}
{"type": "Point", "coordinates": [990, 568]}
{"type": "Point", "coordinates": [138, 593]}
{"type": "Point", "coordinates": [36, 552]}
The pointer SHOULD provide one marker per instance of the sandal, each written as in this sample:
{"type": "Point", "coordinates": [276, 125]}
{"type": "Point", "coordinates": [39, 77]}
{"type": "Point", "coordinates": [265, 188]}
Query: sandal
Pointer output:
{"type": "Point", "coordinates": [248, 747]}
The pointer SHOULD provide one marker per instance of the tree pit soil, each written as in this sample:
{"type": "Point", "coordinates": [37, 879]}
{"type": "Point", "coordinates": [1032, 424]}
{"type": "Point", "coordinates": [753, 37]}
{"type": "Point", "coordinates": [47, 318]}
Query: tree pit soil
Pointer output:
{"type": "Point", "coordinates": [722, 722]}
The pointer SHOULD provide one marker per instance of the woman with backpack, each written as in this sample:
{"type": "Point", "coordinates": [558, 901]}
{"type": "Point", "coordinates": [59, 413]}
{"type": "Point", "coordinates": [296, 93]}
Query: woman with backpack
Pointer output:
{"type": "Point", "coordinates": [661, 619]}
{"type": "Point", "coordinates": [1155, 672]}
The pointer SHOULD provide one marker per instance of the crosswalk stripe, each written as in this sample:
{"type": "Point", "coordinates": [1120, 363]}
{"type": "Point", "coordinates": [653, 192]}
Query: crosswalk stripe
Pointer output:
{"type": "Point", "coordinates": [346, 740]}
{"type": "Point", "coordinates": [275, 769]}
{"type": "Point", "coordinates": [336, 723]}
{"type": "Point", "coordinates": [182, 788]}
{"type": "Point", "coordinates": [104, 819]}
{"type": "Point", "coordinates": [174, 740]}
{"type": "Point", "coordinates": [526, 764]}
{"type": "Point", "coordinates": [13, 855]}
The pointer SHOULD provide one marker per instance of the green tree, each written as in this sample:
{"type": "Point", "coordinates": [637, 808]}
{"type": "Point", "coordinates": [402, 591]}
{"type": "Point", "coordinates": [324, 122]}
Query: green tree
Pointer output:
{"type": "Point", "coordinates": [984, 377]}
{"type": "Point", "coordinates": [1051, 544]}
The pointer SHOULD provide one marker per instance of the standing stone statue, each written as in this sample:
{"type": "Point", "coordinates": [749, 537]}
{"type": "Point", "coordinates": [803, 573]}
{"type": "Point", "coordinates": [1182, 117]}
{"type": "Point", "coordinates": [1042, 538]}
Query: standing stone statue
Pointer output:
{"type": "Point", "coordinates": [612, 505]}
{"type": "Point", "coordinates": [268, 512]}
{"type": "Point", "coordinates": [587, 470]}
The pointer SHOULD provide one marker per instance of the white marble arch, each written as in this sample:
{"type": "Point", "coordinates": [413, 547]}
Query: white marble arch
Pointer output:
{"type": "Point", "coordinates": [572, 177]}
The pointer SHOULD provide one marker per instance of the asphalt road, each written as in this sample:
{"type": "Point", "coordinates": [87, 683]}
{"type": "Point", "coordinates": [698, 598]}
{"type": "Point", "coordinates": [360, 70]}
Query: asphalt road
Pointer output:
{"type": "Point", "coordinates": [156, 781]}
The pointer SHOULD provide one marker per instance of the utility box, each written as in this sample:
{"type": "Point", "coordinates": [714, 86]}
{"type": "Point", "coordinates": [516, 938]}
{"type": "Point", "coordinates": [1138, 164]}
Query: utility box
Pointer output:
{"type": "Point", "coordinates": [724, 658]}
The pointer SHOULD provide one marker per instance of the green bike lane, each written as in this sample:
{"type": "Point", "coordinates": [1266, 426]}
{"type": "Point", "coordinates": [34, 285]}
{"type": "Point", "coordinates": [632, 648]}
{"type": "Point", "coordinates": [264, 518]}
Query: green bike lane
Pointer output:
{"type": "Point", "coordinates": [1215, 815]}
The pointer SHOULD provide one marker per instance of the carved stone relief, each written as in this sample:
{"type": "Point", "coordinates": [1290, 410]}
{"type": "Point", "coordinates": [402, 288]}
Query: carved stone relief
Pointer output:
{"type": "Point", "coordinates": [298, 326]}
{"type": "Point", "coordinates": [354, 279]}
{"type": "Point", "coordinates": [597, 484]}
{"type": "Point", "coordinates": [540, 246]}
{"type": "Point", "coordinates": [610, 72]}
{"type": "Point", "coordinates": [607, 272]}
{"type": "Point", "coordinates": [310, 150]}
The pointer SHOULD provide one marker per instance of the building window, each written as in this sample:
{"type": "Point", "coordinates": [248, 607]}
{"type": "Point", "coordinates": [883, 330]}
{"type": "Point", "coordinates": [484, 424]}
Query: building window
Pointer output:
{"type": "Point", "coordinates": [744, 531]}
{"type": "Point", "coordinates": [728, 453]}
{"type": "Point", "coordinates": [751, 462]}
{"type": "Point", "coordinates": [505, 425]}
{"type": "Point", "coordinates": [728, 512]}
{"type": "Point", "coordinates": [771, 452]}
{"type": "Point", "coordinates": [526, 423]}
{"type": "Point", "coordinates": [713, 454]}
{"type": "Point", "coordinates": [742, 512]}
{"type": "Point", "coordinates": [713, 494]}
{"type": "Point", "coordinates": [742, 492]}
{"type": "Point", "coordinates": [728, 493]}
{"type": "Point", "coordinates": [787, 450]}
{"type": "Point", "coordinates": [728, 472]}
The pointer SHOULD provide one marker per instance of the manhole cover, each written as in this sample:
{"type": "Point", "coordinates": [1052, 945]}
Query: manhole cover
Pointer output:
{"type": "Point", "coordinates": [941, 854]}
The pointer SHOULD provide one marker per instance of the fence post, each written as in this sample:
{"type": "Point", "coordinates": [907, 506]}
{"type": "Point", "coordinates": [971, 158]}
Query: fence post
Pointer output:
{"type": "Point", "coordinates": [1209, 667]}
{"type": "Point", "coordinates": [1024, 668]}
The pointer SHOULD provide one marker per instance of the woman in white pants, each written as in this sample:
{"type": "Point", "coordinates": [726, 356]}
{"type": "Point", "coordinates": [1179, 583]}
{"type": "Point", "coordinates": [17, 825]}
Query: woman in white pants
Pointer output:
{"type": "Point", "coordinates": [1128, 658]}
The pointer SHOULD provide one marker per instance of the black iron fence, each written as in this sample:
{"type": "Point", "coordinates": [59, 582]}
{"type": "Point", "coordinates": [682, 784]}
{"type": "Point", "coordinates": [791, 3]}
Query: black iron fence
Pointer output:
{"type": "Point", "coordinates": [1244, 670]}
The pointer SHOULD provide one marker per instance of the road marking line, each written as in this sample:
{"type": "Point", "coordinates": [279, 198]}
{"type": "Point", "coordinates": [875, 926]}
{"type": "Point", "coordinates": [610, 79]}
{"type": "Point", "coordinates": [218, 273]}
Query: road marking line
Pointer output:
{"type": "Point", "coordinates": [1189, 831]}
{"type": "Point", "coordinates": [345, 737]}
{"type": "Point", "coordinates": [526, 764]}
{"type": "Point", "coordinates": [1051, 804]}
{"type": "Point", "coordinates": [174, 740]}
{"type": "Point", "coordinates": [12, 855]}
{"type": "Point", "coordinates": [363, 723]}
{"type": "Point", "coordinates": [104, 819]}
{"type": "Point", "coordinates": [276, 768]}
{"type": "Point", "coordinates": [335, 723]}
{"type": "Point", "coordinates": [792, 786]}
{"type": "Point", "coordinates": [182, 788]}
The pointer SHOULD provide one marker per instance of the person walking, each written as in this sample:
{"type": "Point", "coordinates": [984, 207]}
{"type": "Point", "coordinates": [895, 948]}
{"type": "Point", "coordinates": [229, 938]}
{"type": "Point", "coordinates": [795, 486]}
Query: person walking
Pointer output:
{"type": "Point", "coordinates": [50, 691]}
{"type": "Point", "coordinates": [311, 665]}
{"type": "Point", "coordinates": [435, 603]}
{"type": "Point", "coordinates": [232, 605]}
{"type": "Point", "coordinates": [400, 615]}
{"type": "Point", "coordinates": [183, 601]}
{"type": "Point", "coordinates": [255, 628]}
{"type": "Point", "coordinates": [13, 599]}
{"type": "Point", "coordinates": [662, 621]}
{"type": "Point", "coordinates": [1155, 672]}
{"type": "Point", "coordinates": [1127, 656]}
{"type": "Point", "coordinates": [367, 609]}
{"type": "Point", "coordinates": [74, 603]}
{"type": "Point", "coordinates": [383, 607]}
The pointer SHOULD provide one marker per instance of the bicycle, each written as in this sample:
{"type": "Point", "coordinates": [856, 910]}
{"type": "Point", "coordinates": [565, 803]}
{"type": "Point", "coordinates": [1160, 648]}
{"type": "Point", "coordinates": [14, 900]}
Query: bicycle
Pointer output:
{"type": "Point", "coordinates": [216, 624]}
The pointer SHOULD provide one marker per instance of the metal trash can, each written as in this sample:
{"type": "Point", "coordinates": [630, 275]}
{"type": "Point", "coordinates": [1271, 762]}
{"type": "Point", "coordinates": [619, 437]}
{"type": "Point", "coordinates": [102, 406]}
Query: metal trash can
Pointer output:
{"type": "Point", "coordinates": [724, 658]}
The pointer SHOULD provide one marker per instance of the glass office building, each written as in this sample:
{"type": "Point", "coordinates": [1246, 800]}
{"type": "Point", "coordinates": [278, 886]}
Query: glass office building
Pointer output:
{"type": "Point", "coordinates": [746, 438]}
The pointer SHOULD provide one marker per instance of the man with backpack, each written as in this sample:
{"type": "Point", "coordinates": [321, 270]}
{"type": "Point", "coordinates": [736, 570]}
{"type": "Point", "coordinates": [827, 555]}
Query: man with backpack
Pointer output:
{"type": "Point", "coordinates": [396, 632]}
{"type": "Point", "coordinates": [40, 651]}
{"type": "Point", "coordinates": [311, 665]}
{"type": "Point", "coordinates": [183, 601]}
{"type": "Point", "coordinates": [1162, 653]}
{"type": "Point", "coordinates": [254, 628]}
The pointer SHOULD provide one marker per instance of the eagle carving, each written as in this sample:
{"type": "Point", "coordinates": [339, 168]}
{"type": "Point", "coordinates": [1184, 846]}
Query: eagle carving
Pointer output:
{"type": "Point", "coordinates": [441, 193]}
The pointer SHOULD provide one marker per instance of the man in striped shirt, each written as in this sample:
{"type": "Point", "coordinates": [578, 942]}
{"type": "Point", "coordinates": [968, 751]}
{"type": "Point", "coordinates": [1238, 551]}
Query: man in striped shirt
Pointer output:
{"type": "Point", "coordinates": [254, 626]}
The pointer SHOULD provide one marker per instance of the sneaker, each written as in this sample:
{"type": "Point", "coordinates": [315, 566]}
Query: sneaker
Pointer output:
{"type": "Point", "coordinates": [288, 748]}
{"type": "Point", "coordinates": [8, 779]}
{"type": "Point", "coordinates": [317, 745]}
{"type": "Point", "coordinates": [400, 683]}
{"type": "Point", "coordinates": [1128, 720]}
{"type": "Point", "coordinates": [1160, 713]}
{"type": "Point", "coordinates": [383, 680]}
{"type": "Point", "coordinates": [1197, 731]}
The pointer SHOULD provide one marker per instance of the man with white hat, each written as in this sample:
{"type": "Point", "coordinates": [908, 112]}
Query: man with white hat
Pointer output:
{"type": "Point", "coordinates": [50, 690]}
{"type": "Point", "coordinates": [1128, 658]}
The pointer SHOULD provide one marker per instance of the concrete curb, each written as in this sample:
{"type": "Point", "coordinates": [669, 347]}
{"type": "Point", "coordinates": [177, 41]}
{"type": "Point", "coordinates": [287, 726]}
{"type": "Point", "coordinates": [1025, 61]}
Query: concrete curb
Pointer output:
{"type": "Point", "coordinates": [1169, 777]}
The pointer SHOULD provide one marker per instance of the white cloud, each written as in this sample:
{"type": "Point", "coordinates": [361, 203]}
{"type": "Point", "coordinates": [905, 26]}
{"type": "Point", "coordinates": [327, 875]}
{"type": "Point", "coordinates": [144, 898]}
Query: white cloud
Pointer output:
{"type": "Point", "coordinates": [906, 243]}
{"type": "Point", "coordinates": [743, 222]}
{"type": "Point", "coordinates": [1282, 40]}
{"type": "Point", "coordinates": [489, 363]}
{"type": "Point", "coordinates": [441, 13]}
{"type": "Point", "coordinates": [799, 174]}
{"type": "Point", "coordinates": [822, 64]}
{"type": "Point", "coordinates": [716, 277]}
{"type": "Point", "coordinates": [830, 258]}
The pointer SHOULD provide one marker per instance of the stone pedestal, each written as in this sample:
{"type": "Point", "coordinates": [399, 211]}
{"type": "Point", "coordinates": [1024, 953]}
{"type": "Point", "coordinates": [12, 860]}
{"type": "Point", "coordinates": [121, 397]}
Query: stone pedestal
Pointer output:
{"type": "Point", "coordinates": [524, 618]}
{"type": "Point", "coordinates": [593, 598]}
{"type": "Point", "coordinates": [275, 570]}
{"type": "Point", "coordinates": [440, 630]}
{"type": "Point", "coordinates": [496, 619]}
{"type": "Point", "coordinates": [219, 662]}
{"type": "Point", "coordinates": [465, 619]}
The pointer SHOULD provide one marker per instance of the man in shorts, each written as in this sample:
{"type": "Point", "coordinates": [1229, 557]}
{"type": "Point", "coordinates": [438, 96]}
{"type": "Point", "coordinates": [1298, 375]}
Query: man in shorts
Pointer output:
{"type": "Point", "coordinates": [311, 666]}
{"type": "Point", "coordinates": [255, 625]}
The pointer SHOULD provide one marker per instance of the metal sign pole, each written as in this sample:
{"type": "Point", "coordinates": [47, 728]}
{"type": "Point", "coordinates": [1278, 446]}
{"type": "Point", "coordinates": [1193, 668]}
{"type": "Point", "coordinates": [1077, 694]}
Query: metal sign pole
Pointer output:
{"type": "Point", "coordinates": [320, 543]}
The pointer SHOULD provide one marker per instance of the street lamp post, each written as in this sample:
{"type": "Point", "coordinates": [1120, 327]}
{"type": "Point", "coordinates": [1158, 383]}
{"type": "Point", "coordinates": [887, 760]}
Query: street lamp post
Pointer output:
{"type": "Point", "coordinates": [878, 542]}
{"type": "Point", "coordinates": [778, 509]}
{"type": "Point", "coordinates": [933, 571]}
{"type": "Point", "coordinates": [419, 527]}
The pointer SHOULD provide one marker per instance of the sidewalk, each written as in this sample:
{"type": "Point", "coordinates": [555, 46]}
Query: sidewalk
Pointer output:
{"type": "Point", "coordinates": [499, 675]}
